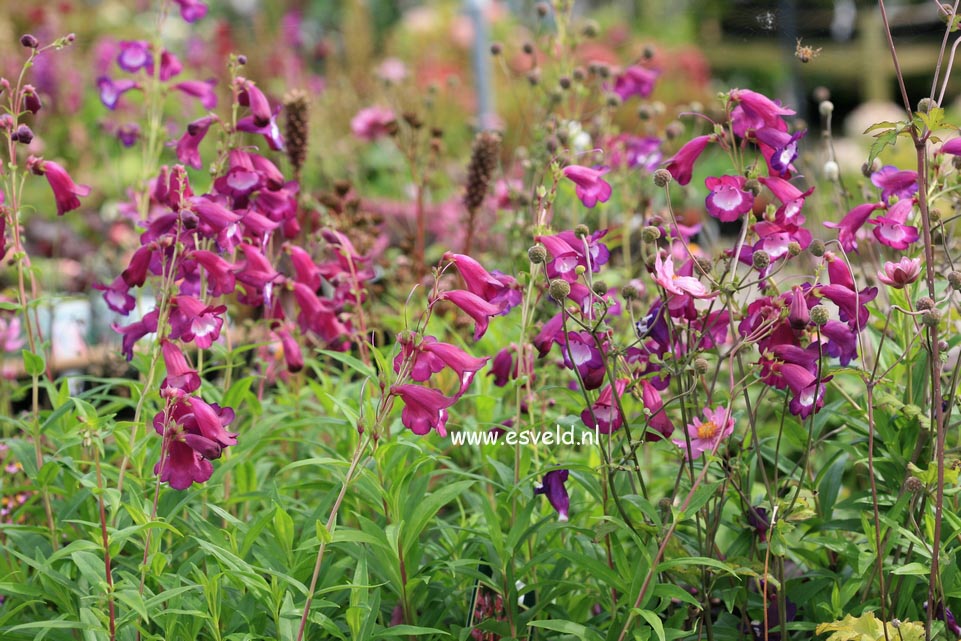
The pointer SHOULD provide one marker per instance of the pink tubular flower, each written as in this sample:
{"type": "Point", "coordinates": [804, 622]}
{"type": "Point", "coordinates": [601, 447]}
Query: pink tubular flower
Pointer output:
{"type": "Point", "coordinates": [754, 111]}
{"type": "Point", "coordinates": [678, 285]}
{"type": "Point", "coordinates": [65, 191]}
{"type": "Point", "coordinates": [293, 356]}
{"type": "Point", "coordinates": [187, 147]}
{"type": "Point", "coordinates": [191, 10]}
{"type": "Point", "coordinates": [194, 434]}
{"type": "Point", "coordinates": [635, 81]}
{"type": "Point", "coordinates": [659, 425]}
{"type": "Point", "coordinates": [134, 55]}
{"type": "Point", "coordinates": [728, 199]}
{"type": "Point", "coordinates": [424, 408]}
{"type": "Point", "coordinates": [203, 90]}
{"type": "Point", "coordinates": [589, 185]}
{"type": "Point", "coordinates": [495, 288]}
{"type": "Point", "coordinates": [779, 148]}
{"type": "Point", "coordinates": [180, 376]}
{"type": "Point", "coordinates": [681, 165]}
{"type": "Point", "coordinates": [851, 223]}
{"type": "Point", "coordinates": [952, 147]}
{"type": "Point", "coordinates": [902, 273]}
{"type": "Point", "coordinates": [252, 97]}
{"type": "Point", "coordinates": [372, 123]}
{"type": "Point", "coordinates": [193, 321]}
{"type": "Point", "coordinates": [892, 181]}
{"type": "Point", "coordinates": [553, 488]}
{"type": "Point", "coordinates": [220, 273]}
{"type": "Point", "coordinates": [475, 307]}
{"type": "Point", "coordinates": [431, 356]}
{"type": "Point", "coordinates": [603, 414]}
{"type": "Point", "coordinates": [706, 435]}
{"type": "Point", "coordinates": [111, 90]}
{"type": "Point", "coordinates": [117, 296]}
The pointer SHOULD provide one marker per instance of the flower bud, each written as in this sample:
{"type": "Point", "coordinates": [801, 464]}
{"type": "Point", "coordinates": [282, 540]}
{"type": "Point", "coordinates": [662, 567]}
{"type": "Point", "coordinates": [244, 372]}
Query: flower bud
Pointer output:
{"type": "Point", "coordinates": [241, 60]}
{"type": "Point", "coordinates": [537, 254]}
{"type": "Point", "coordinates": [496, 49]}
{"type": "Point", "coordinates": [816, 248]}
{"type": "Point", "coordinates": [761, 260]}
{"type": "Point", "coordinates": [590, 30]}
{"type": "Point", "coordinates": [559, 289]}
{"type": "Point", "coordinates": [564, 82]}
{"type": "Point", "coordinates": [914, 485]}
{"type": "Point", "coordinates": [582, 231]}
{"type": "Point", "coordinates": [650, 234]}
{"type": "Point", "coordinates": [826, 108]}
{"type": "Point", "coordinates": [819, 315]}
{"type": "Point", "coordinates": [954, 279]}
{"type": "Point", "coordinates": [405, 337]}
{"type": "Point", "coordinates": [931, 317]}
{"type": "Point", "coordinates": [629, 292]}
{"type": "Point", "coordinates": [701, 366]}
{"type": "Point", "coordinates": [600, 287]}
{"type": "Point", "coordinates": [542, 9]}
{"type": "Point", "coordinates": [924, 303]}
{"type": "Point", "coordinates": [29, 41]}
{"type": "Point", "coordinates": [662, 177]}
{"type": "Point", "coordinates": [831, 171]}
{"type": "Point", "coordinates": [673, 130]}
{"type": "Point", "coordinates": [934, 214]}
{"type": "Point", "coordinates": [22, 135]}
{"type": "Point", "coordinates": [925, 105]}
{"type": "Point", "coordinates": [794, 248]}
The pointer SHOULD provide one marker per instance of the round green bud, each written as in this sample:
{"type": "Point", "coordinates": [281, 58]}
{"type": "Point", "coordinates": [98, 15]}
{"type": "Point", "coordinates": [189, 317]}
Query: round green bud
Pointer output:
{"type": "Point", "coordinates": [816, 248]}
{"type": "Point", "coordinates": [537, 254]}
{"type": "Point", "coordinates": [819, 315]}
{"type": "Point", "coordinates": [650, 234]}
{"type": "Point", "coordinates": [582, 231]}
{"type": "Point", "coordinates": [931, 317]}
{"type": "Point", "coordinates": [559, 289]}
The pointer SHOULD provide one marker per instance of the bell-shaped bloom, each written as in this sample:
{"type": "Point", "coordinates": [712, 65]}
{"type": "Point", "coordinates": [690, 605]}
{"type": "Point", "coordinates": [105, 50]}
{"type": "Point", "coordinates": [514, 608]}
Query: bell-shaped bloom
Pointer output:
{"type": "Point", "coordinates": [270, 131]}
{"type": "Point", "coordinates": [580, 352]}
{"type": "Point", "coordinates": [134, 55]}
{"type": "Point", "coordinates": [892, 181]}
{"type": "Point", "coordinates": [191, 10]}
{"type": "Point", "coordinates": [117, 296]}
{"type": "Point", "coordinates": [659, 425]}
{"type": "Point", "coordinates": [807, 389]}
{"type": "Point", "coordinates": [213, 216]}
{"type": "Point", "coordinates": [194, 434]}
{"type": "Point", "coordinates": [676, 285]}
{"type": "Point", "coordinates": [838, 271]}
{"type": "Point", "coordinates": [852, 305]}
{"type": "Point", "coordinates": [603, 414]}
{"type": "Point", "coordinates": [635, 81]}
{"type": "Point", "coordinates": [253, 98]}
{"type": "Point", "coordinates": [728, 199]}
{"type": "Point", "coordinates": [588, 184]}
{"type": "Point", "coordinates": [952, 147]}
{"type": "Point", "coordinates": [203, 90]}
{"type": "Point", "coordinates": [424, 408]}
{"type": "Point", "coordinates": [193, 321]}
{"type": "Point", "coordinates": [65, 191]}
{"type": "Point", "coordinates": [549, 334]}
{"type": "Point", "coordinates": [112, 90]}
{"type": "Point", "coordinates": [755, 111]}
{"type": "Point", "coordinates": [431, 356]}
{"type": "Point", "coordinates": [220, 273]}
{"type": "Point", "coordinates": [372, 123]}
{"type": "Point", "coordinates": [900, 274]}
{"type": "Point", "coordinates": [851, 223]}
{"type": "Point", "coordinates": [706, 435]}
{"type": "Point", "coordinates": [553, 488]}
{"type": "Point", "coordinates": [842, 341]}
{"type": "Point", "coordinates": [567, 251]}
{"type": "Point", "coordinates": [188, 146]}
{"type": "Point", "coordinates": [681, 165]}
{"type": "Point", "coordinates": [779, 148]}
{"type": "Point", "coordinates": [293, 356]}
{"type": "Point", "coordinates": [626, 151]}
{"type": "Point", "coordinates": [170, 66]}
{"type": "Point", "coordinates": [180, 375]}
{"type": "Point", "coordinates": [135, 331]}
{"type": "Point", "coordinates": [495, 287]}
{"type": "Point", "coordinates": [31, 99]}
{"type": "Point", "coordinates": [474, 306]}
{"type": "Point", "coordinates": [894, 234]}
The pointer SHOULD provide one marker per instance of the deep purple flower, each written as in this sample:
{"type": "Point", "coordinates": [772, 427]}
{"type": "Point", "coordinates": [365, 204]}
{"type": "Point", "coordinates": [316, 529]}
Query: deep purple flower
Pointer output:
{"type": "Point", "coordinates": [807, 389]}
{"type": "Point", "coordinates": [754, 111]}
{"type": "Point", "coordinates": [895, 182]}
{"type": "Point", "coordinates": [580, 351]}
{"type": "Point", "coordinates": [798, 314]}
{"type": "Point", "coordinates": [31, 99]}
{"type": "Point", "coordinates": [135, 331]}
{"type": "Point", "coordinates": [424, 408]}
{"type": "Point", "coordinates": [188, 146]}
{"type": "Point", "coordinates": [626, 151]}
{"type": "Point", "coordinates": [128, 134]}
{"type": "Point", "coordinates": [65, 191]}
{"type": "Point", "coordinates": [191, 10]}
{"type": "Point", "coordinates": [117, 296]}
{"type": "Point", "coordinates": [952, 147]}
{"type": "Point", "coordinates": [220, 273]}
{"type": "Point", "coordinates": [659, 424]}
{"type": "Point", "coordinates": [180, 375]}
{"type": "Point", "coordinates": [475, 307]}
{"type": "Point", "coordinates": [553, 488]}
{"type": "Point", "coordinates": [498, 289]}
{"type": "Point", "coordinates": [779, 148]}
{"type": "Point", "coordinates": [134, 55]}
{"type": "Point", "coordinates": [842, 341]}
{"type": "Point", "coordinates": [589, 185]}
{"type": "Point", "coordinates": [431, 356]}
{"type": "Point", "coordinates": [270, 131]}
{"type": "Point", "coordinates": [851, 223]}
{"type": "Point", "coordinates": [635, 81]}
{"type": "Point", "coordinates": [193, 321]}
{"type": "Point", "coordinates": [567, 251]}
{"type": "Point", "coordinates": [728, 199]}
{"type": "Point", "coordinates": [252, 97]}
{"type": "Point", "coordinates": [194, 434]}
{"type": "Point", "coordinates": [293, 356]}
{"type": "Point", "coordinates": [681, 165]}
{"type": "Point", "coordinates": [851, 304]}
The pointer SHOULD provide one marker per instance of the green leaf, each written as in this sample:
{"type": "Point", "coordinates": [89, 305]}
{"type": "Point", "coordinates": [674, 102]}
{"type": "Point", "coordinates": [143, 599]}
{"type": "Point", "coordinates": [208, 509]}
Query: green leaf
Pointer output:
{"type": "Point", "coordinates": [655, 622]}
{"type": "Point", "coordinates": [917, 569]}
{"type": "Point", "coordinates": [404, 630]}
{"type": "Point", "coordinates": [886, 139]}
{"type": "Point", "coordinates": [567, 627]}
{"type": "Point", "coordinates": [33, 364]}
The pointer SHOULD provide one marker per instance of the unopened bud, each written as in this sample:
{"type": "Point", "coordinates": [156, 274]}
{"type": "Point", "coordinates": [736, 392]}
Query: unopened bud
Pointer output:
{"type": "Point", "coordinates": [924, 303]}
{"type": "Point", "coordinates": [914, 485]}
{"type": "Point", "coordinates": [29, 41]}
{"type": "Point", "coordinates": [926, 104]}
{"type": "Point", "coordinates": [794, 248]}
{"type": "Point", "coordinates": [650, 234]}
{"type": "Point", "coordinates": [23, 135]}
{"type": "Point", "coordinates": [761, 260]}
{"type": "Point", "coordinates": [954, 279]}
{"type": "Point", "coordinates": [629, 292]}
{"type": "Point", "coordinates": [542, 9]}
{"type": "Point", "coordinates": [934, 214]}
{"type": "Point", "coordinates": [582, 231]}
{"type": "Point", "coordinates": [590, 29]}
{"type": "Point", "coordinates": [931, 317]}
{"type": "Point", "coordinates": [537, 254]}
{"type": "Point", "coordinates": [662, 177]}
{"type": "Point", "coordinates": [831, 171]}
{"type": "Point", "coordinates": [496, 49]}
{"type": "Point", "coordinates": [819, 315]}
{"type": "Point", "coordinates": [600, 287]}
{"type": "Point", "coordinates": [701, 366]}
{"type": "Point", "coordinates": [826, 108]}
{"type": "Point", "coordinates": [528, 48]}
{"type": "Point", "coordinates": [241, 60]}
{"type": "Point", "coordinates": [564, 82]}
{"type": "Point", "coordinates": [816, 248]}
{"type": "Point", "coordinates": [559, 289]}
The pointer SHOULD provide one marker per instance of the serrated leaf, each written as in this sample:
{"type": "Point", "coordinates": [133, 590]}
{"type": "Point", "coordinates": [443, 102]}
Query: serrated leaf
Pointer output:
{"type": "Point", "coordinates": [886, 139]}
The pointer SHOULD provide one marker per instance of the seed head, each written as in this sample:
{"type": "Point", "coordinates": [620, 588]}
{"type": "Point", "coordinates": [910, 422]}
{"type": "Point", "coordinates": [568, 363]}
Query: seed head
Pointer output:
{"type": "Point", "coordinates": [761, 260]}
{"type": "Point", "coordinates": [954, 279]}
{"type": "Point", "coordinates": [794, 248]}
{"type": "Point", "coordinates": [29, 41]}
{"type": "Point", "coordinates": [650, 234]}
{"type": "Point", "coordinates": [496, 49]}
{"type": "Point", "coordinates": [924, 303]}
{"type": "Point", "coordinates": [582, 231]}
{"type": "Point", "coordinates": [537, 254]}
{"type": "Point", "coordinates": [528, 48]}
{"type": "Point", "coordinates": [559, 289]}
{"type": "Point", "coordinates": [590, 29]}
{"type": "Point", "coordinates": [816, 248]}
{"type": "Point", "coordinates": [826, 108]}
{"type": "Point", "coordinates": [914, 485]}
{"type": "Point", "coordinates": [483, 163]}
{"type": "Point", "coordinates": [673, 130]}
{"type": "Point", "coordinates": [926, 104]}
{"type": "Point", "coordinates": [931, 317]}
{"type": "Point", "coordinates": [752, 185]}
{"type": "Point", "coordinates": [701, 366]}
{"type": "Point", "coordinates": [600, 287]}
{"type": "Point", "coordinates": [819, 315]}
{"type": "Point", "coordinates": [629, 292]}
{"type": "Point", "coordinates": [297, 108]}
{"type": "Point", "coordinates": [662, 177]}
{"type": "Point", "coordinates": [831, 171]}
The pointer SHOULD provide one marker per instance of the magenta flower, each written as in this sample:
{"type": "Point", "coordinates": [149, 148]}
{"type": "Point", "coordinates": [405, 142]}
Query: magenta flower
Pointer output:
{"type": "Point", "coordinates": [117, 296]}
{"type": "Point", "coordinates": [424, 408]}
{"type": "Point", "coordinates": [203, 90]}
{"type": "Point", "coordinates": [475, 307]}
{"type": "Point", "coordinates": [705, 436]}
{"type": "Point", "coordinates": [134, 55]}
{"type": "Point", "coordinates": [580, 352]}
{"type": "Point", "coordinates": [588, 184]}
{"type": "Point", "coordinates": [220, 273]}
{"type": "Point", "coordinates": [567, 251]}
{"type": "Point", "coordinates": [188, 146]}
{"type": "Point", "coordinates": [892, 181]}
{"type": "Point", "coordinates": [553, 488]}
{"type": "Point", "coordinates": [842, 341]}
{"type": "Point", "coordinates": [191, 10]}
{"type": "Point", "coordinates": [779, 148]}
{"type": "Point", "coordinates": [952, 147]}
{"type": "Point", "coordinates": [496, 288]}
{"type": "Point", "coordinates": [193, 321]}
{"type": "Point", "coordinates": [373, 122]}
{"type": "Point", "coordinates": [894, 234]}
{"type": "Point", "coordinates": [603, 414]}
{"type": "Point", "coordinates": [728, 199]}
{"type": "Point", "coordinates": [635, 81]}
{"type": "Point", "coordinates": [808, 391]}
{"type": "Point", "coordinates": [681, 165]}
{"type": "Point", "coordinates": [852, 305]}
{"type": "Point", "coordinates": [678, 285]}
{"type": "Point", "coordinates": [851, 223]}
{"type": "Point", "coordinates": [431, 356]}
{"type": "Point", "coordinates": [133, 332]}
{"type": "Point", "coordinates": [252, 97]}
{"type": "Point", "coordinates": [194, 435]}
{"type": "Point", "coordinates": [270, 131]}
{"type": "Point", "coordinates": [626, 151]}
{"type": "Point", "coordinates": [65, 191]}
{"type": "Point", "coordinates": [180, 376]}
{"type": "Point", "coordinates": [902, 273]}
{"type": "Point", "coordinates": [798, 314]}
{"type": "Point", "coordinates": [755, 111]}
{"type": "Point", "coordinates": [31, 99]}
{"type": "Point", "coordinates": [659, 425]}
{"type": "Point", "coordinates": [111, 90]}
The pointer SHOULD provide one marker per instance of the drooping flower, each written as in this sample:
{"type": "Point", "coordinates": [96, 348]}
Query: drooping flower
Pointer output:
{"type": "Point", "coordinates": [603, 414]}
{"type": "Point", "coordinates": [588, 184]}
{"type": "Point", "coordinates": [681, 165]}
{"type": "Point", "coordinates": [706, 435]}
{"type": "Point", "coordinates": [188, 146]}
{"type": "Point", "coordinates": [892, 181]}
{"type": "Point", "coordinates": [553, 488]}
{"type": "Point", "coordinates": [779, 148]}
{"type": "Point", "coordinates": [112, 90]}
{"type": "Point", "coordinates": [252, 97]}
{"type": "Point", "coordinates": [191, 10]}
{"type": "Point", "coordinates": [851, 223]}
{"type": "Point", "coordinates": [203, 90]}
{"type": "Point", "coordinates": [495, 288]}
{"type": "Point", "coordinates": [474, 306]}
{"type": "Point", "coordinates": [852, 304]}
{"type": "Point", "coordinates": [431, 356]}
{"type": "Point", "coordinates": [631, 152]}
{"type": "Point", "coordinates": [728, 199]}
{"type": "Point", "coordinates": [676, 285]}
{"type": "Point", "coordinates": [65, 191]}
{"type": "Point", "coordinates": [180, 376]}
{"type": "Point", "coordinates": [424, 408]}
{"type": "Point", "coordinates": [659, 424]}
{"type": "Point", "coordinates": [902, 273]}
{"type": "Point", "coordinates": [373, 122]}
{"type": "Point", "coordinates": [193, 321]}
{"type": "Point", "coordinates": [754, 111]}
{"type": "Point", "coordinates": [194, 434]}
{"type": "Point", "coordinates": [117, 296]}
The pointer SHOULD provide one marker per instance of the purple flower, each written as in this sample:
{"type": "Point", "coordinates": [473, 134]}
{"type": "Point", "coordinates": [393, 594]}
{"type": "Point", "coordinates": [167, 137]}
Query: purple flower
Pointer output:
{"type": "Point", "coordinates": [220, 273]}
{"type": "Point", "coordinates": [728, 199]}
{"type": "Point", "coordinates": [852, 305]}
{"type": "Point", "coordinates": [180, 375]}
{"type": "Point", "coordinates": [431, 356]}
{"type": "Point", "coordinates": [952, 147]}
{"type": "Point", "coordinates": [902, 273]}
{"type": "Point", "coordinates": [117, 296]}
{"type": "Point", "coordinates": [134, 55]}
{"type": "Point", "coordinates": [681, 165]}
{"type": "Point", "coordinates": [603, 414]}
{"type": "Point", "coordinates": [895, 182]}
{"type": "Point", "coordinates": [779, 148]}
{"type": "Point", "coordinates": [894, 234]}
{"type": "Point", "coordinates": [475, 307]}
{"type": "Point", "coordinates": [111, 90]}
{"type": "Point", "coordinates": [659, 425]}
{"type": "Point", "coordinates": [706, 435]}
{"type": "Point", "coordinates": [270, 131]}
{"type": "Point", "coordinates": [568, 251]}
{"type": "Point", "coordinates": [188, 146]}
{"type": "Point", "coordinates": [252, 97]}
{"type": "Point", "coordinates": [842, 341]}
{"type": "Point", "coordinates": [589, 185]}
{"type": "Point", "coordinates": [495, 288]}
{"type": "Point", "coordinates": [755, 111]}
{"type": "Point", "coordinates": [851, 223]}
{"type": "Point", "coordinates": [203, 90]}
{"type": "Point", "coordinates": [193, 321]}
{"type": "Point", "coordinates": [635, 81]}
{"type": "Point", "coordinates": [580, 351]}
{"type": "Point", "coordinates": [65, 191]}
{"type": "Point", "coordinates": [135, 331]}
{"type": "Point", "coordinates": [128, 134]}
{"type": "Point", "coordinates": [191, 10]}
{"type": "Point", "coordinates": [194, 434]}
{"type": "Point", "coordinates": [424, 408]}
{"type": "Point", "coordinates": [630, 152]}
{"type": "Point", "coordinates": [553, 488]}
